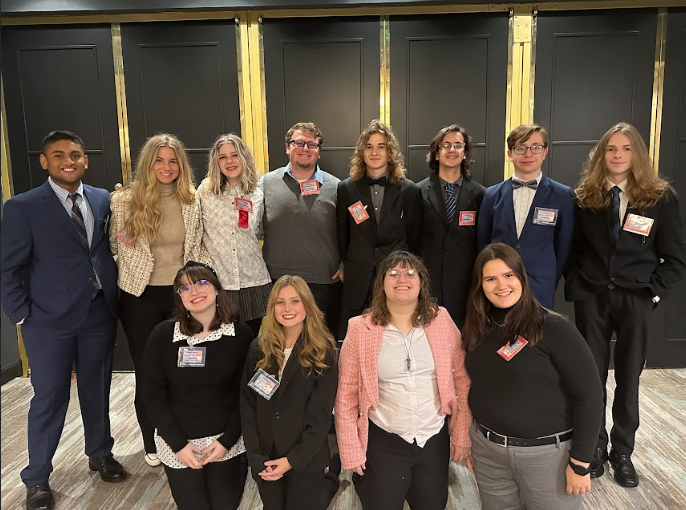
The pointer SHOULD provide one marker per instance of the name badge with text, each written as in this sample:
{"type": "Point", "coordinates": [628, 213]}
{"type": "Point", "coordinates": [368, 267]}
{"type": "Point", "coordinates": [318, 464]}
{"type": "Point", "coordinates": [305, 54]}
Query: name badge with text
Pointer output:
{"type": "Point", "coordinates": [543, 216]}
{"type": "Point", "coordinates": [191, 356]}
{"type": "Point", "coordinates": [264, 384]}
{"type": "Point", "coordinates": [309, 188]}
{"type": "Point", "coordinates": [359, 212]}
{"type": "Point", "coordinates": [510, 350]}
{"type": "Point", "coordinates": [638, 224]}
{"type": "Point", "coordinates": [244, 207]}
{"type": "Point", "coordinates": [467, 218]}
{"type": "Point", "coordinates": [123, 237]}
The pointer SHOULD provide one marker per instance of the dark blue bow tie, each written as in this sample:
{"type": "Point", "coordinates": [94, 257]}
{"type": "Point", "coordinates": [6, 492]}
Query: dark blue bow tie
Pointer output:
{"type": "Point", "coordinates": [381, 181]}
{"type": "Point", "coordinates": [516, 183]}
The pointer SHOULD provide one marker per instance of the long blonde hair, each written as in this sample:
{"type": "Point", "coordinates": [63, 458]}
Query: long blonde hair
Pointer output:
{"type": "Point", "coordinates": [317, 339]}
{"type": "Point", "coordinates": [215, 181]}
{"type": "Point", "coordinates": [396, 166]}
{"type": "Point", "coordinates": [644, 187]}
{"type": "Point", "coordinates": [144, 217]}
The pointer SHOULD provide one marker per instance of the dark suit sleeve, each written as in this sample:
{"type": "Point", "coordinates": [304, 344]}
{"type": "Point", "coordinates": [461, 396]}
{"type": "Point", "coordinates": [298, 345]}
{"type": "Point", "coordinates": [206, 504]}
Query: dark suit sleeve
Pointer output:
{"type": "Point", "coordinates": [575, 251]}
{"type": "Point", "coordinates": [342, 222]}
{"type": "Point", "coordinates": [233, 427]}
{"type": "Point", "coordinates": [17, 247]}
{"type": "Point", "coordinates": [317, 420]}
{"type": "Point", "coordinates": [413, 226]}
{"type": "Point", "coordinates": [155, 391]}
{"type": "Point", "coordinates": [669, 245]}
{"type": "Point", "coordinates": [564, 233]}
{"type": "Point", "coordinates": [484, 227]}
{"type": "Point", "coordinates": [251, 437]}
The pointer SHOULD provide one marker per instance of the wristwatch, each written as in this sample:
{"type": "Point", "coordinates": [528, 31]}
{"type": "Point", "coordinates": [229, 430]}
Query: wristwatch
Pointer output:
{"type": "Point", "coordinates": [579, 470]}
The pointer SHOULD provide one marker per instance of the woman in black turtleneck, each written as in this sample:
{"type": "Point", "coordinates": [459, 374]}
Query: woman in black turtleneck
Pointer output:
{"type": "Point", "coordinates": [535, 395]}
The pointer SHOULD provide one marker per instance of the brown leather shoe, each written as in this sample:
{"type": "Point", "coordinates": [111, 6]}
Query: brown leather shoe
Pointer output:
{"type": "Point", "coordinates": [110, 470]}
{"type": "Point", "coordinates": [39, 497]}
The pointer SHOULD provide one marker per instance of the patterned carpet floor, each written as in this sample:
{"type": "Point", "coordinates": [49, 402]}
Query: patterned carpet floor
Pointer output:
{"type": "Point", "coordinates": [660, 458]}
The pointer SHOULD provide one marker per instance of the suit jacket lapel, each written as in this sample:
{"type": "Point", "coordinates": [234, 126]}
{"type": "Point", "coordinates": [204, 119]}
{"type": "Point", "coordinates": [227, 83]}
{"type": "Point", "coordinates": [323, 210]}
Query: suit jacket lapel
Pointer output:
{"type": "Point", "coordinates": [95, 211]}
{"type": "Point", "coordinates": [465, 198]}
{"type": "Point", "coordinates": [508, 205]}
{"type": "Point", "coordinates": [57, 211]}
{"type": "Point", "coordinates": [292, 366]}
{"type": "Point", "coordinates": [436, 198]}
{"type": "Point", "coordinates": [540, 200]}
{"type": "Point", "coordinates": [368, 227]}
{"type": "Point", "coordinates": [369, 360]}
{"type": "Point", "coordinates": [391, 192]}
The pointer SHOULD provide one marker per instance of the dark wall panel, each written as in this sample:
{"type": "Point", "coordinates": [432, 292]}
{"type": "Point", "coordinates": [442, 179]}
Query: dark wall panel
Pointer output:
{"type": "Point", "coordinates": [181, 78]}
{"type": "Point", "coordinates": [450, 69]}
{"type": "Point", "coordinates": [325, 71]}
{"type": "Point", "coordinates": [60, 78]}
{"type": "Point", "coordinates": [593, 69]}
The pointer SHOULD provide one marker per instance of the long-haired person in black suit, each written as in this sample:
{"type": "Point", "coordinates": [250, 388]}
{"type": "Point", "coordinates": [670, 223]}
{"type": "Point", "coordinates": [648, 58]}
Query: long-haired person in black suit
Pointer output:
{"type": "Point", "coordinates": [287, 395]}
{"type": "Point", "coordinates": [628, 253]}
{"type": "Point", "coordinates": [450, 208]}
{"type": "Point", "coordinates": [378, 211]}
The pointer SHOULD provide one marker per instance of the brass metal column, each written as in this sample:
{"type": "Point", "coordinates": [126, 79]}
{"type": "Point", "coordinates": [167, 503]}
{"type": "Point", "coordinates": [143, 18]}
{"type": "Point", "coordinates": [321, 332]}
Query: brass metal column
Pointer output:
{"type": "Point", "coordinates": [658, 88]}
{"type": "Point", "coordinates": [258, 98]}
{"type": "Point", "coordinates": [122, 115]}
{"type": "Point", "coordinates": [385, 71]}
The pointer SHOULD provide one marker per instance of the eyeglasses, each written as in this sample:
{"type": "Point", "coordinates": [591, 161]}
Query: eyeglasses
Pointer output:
{"type": "Point", "coordinates": [521, 150]}
{"type": "Point", "coordinates": [458, 146]}
{"type": "Point", "coordinates": [199, 286]}
{"type": "Point", "coordinates": [313, 146]}
{"type": "Point", "coordinates": [408, 274]}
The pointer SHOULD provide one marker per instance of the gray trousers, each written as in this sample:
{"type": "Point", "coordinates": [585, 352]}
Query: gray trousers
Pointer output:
{"type": "Point", "coordinates": [518, 478]}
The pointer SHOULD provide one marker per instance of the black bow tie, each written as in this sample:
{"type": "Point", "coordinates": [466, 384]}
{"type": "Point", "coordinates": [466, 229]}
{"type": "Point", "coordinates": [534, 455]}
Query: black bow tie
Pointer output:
{"type": "Point", "coordinates": [516, 183]}
{"type": "Point", "coordinates": [381, 181]}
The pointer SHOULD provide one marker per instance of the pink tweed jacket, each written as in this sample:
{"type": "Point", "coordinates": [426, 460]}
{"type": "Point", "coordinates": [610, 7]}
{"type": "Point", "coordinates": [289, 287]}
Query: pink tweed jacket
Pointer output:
{"type": "Point", "coordinates": [358, 383]}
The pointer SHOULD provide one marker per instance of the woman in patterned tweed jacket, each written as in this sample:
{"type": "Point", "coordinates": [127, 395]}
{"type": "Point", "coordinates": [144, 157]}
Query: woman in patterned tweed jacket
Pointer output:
{"type": "Point", "coordinates": [156, 228]}
{"type": "Point", "coordinates": [232, 207]}
{"type": "Point", "coordinates": [401, 372]}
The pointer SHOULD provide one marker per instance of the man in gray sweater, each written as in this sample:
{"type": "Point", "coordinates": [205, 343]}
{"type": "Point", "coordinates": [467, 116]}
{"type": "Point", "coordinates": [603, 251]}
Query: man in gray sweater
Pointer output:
{"type": "Point", "coordinates": [300, 221]}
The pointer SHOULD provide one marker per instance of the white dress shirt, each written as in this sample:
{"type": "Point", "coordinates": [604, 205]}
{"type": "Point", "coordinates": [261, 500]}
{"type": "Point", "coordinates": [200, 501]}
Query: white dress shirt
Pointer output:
{"type": "Point", "coordinates": [623, 198]}
{"type": "Point", "coordinates": [523, 198]}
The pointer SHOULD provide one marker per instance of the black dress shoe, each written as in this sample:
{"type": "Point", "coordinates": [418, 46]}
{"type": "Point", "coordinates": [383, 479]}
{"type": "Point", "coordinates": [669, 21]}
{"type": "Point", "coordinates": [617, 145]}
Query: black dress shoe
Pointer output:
{"type": "Point", "coordinates": [597, 467]}
{"type": "Point", "coordinates": [39, 497]}
{"type": "Point", "coordinates": [110, 470]}
{"type": "Point", "coordinates": [625, 473]}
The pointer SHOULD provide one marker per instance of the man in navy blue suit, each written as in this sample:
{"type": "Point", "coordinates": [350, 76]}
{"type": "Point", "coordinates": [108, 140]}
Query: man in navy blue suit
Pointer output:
{"type": "Point", "coordinates": [59, 281]}
{"type": "Point", "coordinates": [530, 212]}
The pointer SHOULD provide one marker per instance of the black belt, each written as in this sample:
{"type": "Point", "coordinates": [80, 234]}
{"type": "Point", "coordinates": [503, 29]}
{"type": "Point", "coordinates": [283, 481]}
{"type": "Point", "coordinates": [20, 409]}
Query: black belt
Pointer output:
{"type": "Point", "coordinates": [498, 439]}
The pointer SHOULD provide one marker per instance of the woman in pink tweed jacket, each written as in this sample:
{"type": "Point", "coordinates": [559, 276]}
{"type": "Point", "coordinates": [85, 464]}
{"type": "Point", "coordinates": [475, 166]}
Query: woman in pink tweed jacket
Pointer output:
{"type": "Point", "coordinates": [395, 390]}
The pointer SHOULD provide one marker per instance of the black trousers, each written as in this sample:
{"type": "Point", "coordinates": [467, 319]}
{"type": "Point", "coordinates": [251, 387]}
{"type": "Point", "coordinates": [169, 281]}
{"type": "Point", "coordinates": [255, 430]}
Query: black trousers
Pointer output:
{"type": "Point", "coordinates": [398, 471]}
{"type": "Point", "coordinates": [217, 486]}
{"type": "Point", "coordinates": [628, 314]}
{"type": "Point", "coordinates": [139, 316]}
{"type": "Point", "coordinates": [299, 491]}
{"type": "Point", "coordinates": [329, 300]}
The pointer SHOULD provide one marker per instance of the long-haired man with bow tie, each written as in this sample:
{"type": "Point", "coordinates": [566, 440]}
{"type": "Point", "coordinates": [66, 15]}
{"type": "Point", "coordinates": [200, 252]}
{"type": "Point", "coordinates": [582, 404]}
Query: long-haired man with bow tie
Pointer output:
{"type": "Point", "coordinates": [378, 210]}
{"type": "Point", "coordinates": [530, 212]}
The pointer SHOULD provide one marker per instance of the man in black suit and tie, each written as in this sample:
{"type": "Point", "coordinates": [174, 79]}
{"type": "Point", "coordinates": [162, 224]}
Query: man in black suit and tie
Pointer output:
{"type": "Point", "coordinates": [378, 211]}
{"type": "Point", "coordinates": [450, 205]}
{"type": "Point", "coordinates": [59, 281]}
{"type": "Point", "coordinates": [627, 254]}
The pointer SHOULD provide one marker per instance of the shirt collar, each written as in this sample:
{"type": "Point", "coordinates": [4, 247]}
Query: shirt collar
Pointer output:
{"type": "Point", "coordinates": [317, 176]}
{"type": "Point", "coordinates": [457, 183]}
{"type": "Point", "coordinates": [62, 193]}
{"type": "Point", "coordinates": [537, 179]}
{"type": "Point", "coordinates": [224, 329]}
{"type": "Point", "coordinates": [622, 185]}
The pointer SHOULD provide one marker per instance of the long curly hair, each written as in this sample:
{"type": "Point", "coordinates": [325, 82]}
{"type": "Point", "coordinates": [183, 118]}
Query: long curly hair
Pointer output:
{"type": "Point", "coordinates": [427, 307]}
{"type": "Point", "coordinates": [434, 149]}
{"type": "Point", "coordinates": [526, 317]}
{"type": "Point", "coordinates": [215, 181]}
{"type": "Point", "coordinates": [644, 186]}
{"type": "Point", "coordinates": [144, 217]}
{"type": "Point", "coordinates": [396, 166]}
{"type": "Point", "coordinates": [316, 337]}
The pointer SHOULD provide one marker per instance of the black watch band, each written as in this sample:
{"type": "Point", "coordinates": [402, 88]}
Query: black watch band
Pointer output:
{"type": "Point", "coordinates": [579, 470]}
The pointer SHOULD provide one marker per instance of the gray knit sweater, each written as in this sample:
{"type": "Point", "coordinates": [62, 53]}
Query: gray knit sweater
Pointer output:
{"type": "Point", "coordinates": [300, 232]}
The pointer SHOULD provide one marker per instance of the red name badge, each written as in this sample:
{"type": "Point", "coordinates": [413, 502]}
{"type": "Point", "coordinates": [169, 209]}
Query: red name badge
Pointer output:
{"type": "Point", "coordinates": [510, 350]}
{"type": "Point", "coordinates": [638, 224]}
{"type": "Point", "coordinates": [122, 235]}
{"type": "Point", "coordinates": [244, 207]}
{"type": "Point", "coordinates": [309, 188]}
{"type": "Point", "coordinates": [467, 218]}
{"type": "Point", "coordinates": [358, 212]}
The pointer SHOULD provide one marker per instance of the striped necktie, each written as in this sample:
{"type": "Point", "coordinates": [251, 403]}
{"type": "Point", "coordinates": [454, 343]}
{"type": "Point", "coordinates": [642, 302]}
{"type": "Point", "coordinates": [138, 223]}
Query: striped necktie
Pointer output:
{"type": "Point", "coordinates": [450, 202]}
{"type": "Point", "coordinates": [80, 225]}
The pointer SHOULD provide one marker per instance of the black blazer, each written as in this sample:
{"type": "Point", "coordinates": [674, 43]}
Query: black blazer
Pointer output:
{"type": "Point", "coordinates": [449, 250]}
{"type": "Point", "coordinates": [295, 422]}
{"type": "Point", "coordinates": [364, 246]}
{"type": "Point", "coordinates": [634, 262]}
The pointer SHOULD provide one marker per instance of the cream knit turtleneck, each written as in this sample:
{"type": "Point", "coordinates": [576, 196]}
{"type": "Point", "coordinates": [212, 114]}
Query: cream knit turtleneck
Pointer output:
{"type": "Point", "coordinates": [167, 248]}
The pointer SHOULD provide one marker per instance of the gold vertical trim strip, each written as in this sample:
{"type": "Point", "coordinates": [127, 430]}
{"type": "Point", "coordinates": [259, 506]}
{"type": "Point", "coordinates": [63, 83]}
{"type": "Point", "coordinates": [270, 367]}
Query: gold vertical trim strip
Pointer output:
{"type": "Point", "coordinates": [385, 72]}
{"type": "Point", "coordinates": [7, 184]}
{"type": "Point", "coordinates": [532, 64]}
{"type": "Point", "coordinates": [257, 90]}
{"type": "Point", "coordinates": [243, 66]}
{"type": "Point", "coordinates": [508, 102]}
{"type": "Point", "coordinates": [122, 115]}
{"type": "Point", "coordinates": [658, 88]}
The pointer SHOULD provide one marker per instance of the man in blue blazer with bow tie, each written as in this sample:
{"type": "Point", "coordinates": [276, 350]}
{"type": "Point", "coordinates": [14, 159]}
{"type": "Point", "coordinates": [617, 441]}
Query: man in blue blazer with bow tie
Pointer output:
{"type": "Point", "coordinates": [530, 212]}
{"type": "Point", "coordinates": [59, 281]}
